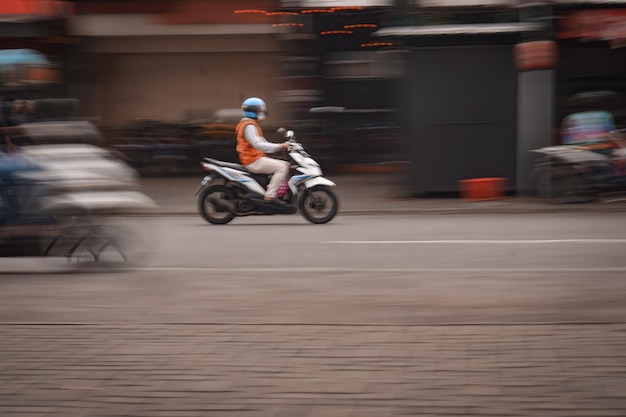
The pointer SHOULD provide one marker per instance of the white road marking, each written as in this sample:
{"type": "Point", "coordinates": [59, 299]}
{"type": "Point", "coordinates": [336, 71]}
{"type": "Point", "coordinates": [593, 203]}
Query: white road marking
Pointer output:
{"type": "Point", "coordinates": [474, 241]}
{"type": "Point", "coordinates": [307, 270]}
{"type": "Point", "coordinates": [405, 270]}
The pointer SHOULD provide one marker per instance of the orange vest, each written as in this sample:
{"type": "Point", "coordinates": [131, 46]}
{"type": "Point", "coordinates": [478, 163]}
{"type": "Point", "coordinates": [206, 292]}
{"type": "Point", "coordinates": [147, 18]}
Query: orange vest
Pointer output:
{"type": "Point", "coordinates": [247, 153]}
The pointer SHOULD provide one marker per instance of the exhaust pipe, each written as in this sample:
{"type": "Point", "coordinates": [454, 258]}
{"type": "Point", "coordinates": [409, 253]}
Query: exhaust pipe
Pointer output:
{"type": "Point", "coordinates": [222, 204]}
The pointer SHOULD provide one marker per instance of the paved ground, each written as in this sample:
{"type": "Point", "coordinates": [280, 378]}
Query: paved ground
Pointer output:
{"type": "Point", "coordinates": [234, 370]}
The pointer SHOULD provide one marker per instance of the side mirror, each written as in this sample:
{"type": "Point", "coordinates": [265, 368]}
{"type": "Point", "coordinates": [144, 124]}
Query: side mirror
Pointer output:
{"type": "Point", "coordinates": [288, 134]}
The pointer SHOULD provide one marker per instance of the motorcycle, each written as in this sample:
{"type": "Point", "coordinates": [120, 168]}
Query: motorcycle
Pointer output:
{"type": "Point", "coordinates": [230, 190]}
{"type": "Point", "coordinates": [68, 200]}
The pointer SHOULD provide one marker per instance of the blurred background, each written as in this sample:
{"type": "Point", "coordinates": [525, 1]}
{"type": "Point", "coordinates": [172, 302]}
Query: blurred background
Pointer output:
{"type": "Point", "coordinates": [401, 306]}
{"type": "Point", "coordinates": [438, 90]}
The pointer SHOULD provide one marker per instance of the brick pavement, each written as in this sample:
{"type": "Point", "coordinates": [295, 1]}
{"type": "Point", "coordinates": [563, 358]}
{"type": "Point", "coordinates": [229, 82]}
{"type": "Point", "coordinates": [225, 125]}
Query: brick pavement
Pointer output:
{"type": "Point", "coordinates": [179, 370]}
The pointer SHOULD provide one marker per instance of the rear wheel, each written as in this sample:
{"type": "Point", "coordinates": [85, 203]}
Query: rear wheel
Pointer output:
{"type": "Point", "coordinates": [318, 204]}
{"type": "Point", "coordinates": [213, 204]}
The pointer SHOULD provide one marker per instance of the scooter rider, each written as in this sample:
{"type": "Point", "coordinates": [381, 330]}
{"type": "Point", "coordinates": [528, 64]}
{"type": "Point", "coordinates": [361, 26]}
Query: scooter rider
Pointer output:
{"type": "Point", "coordinates": [252, 146]}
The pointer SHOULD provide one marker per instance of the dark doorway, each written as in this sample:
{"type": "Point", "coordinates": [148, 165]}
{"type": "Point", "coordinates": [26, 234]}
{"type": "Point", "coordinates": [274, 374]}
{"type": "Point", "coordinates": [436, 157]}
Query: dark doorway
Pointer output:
{"type": "Point", "coordinates": [460, 112]}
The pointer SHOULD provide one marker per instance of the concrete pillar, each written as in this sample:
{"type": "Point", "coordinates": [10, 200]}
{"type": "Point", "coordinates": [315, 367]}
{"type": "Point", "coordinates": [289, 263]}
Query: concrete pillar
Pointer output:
{"type": "Point", "coordinates": [536, 91]}
{"type": "Point", "coordinates": [535, 116]}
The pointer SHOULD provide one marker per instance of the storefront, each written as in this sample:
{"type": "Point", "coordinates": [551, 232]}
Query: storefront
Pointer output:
{"type": "Point", "coordinates": [453, 89]}
{"type": "Point", "coordinates": [592, 50]}
{"type": "Point", "coordinates": [477, 94]}
{"type": "Point", "coordinates": [34, 55]}
{"type": "Point", "coordinates": [174, 61]}
{"type": "Point", "coordinates": [344, 83]}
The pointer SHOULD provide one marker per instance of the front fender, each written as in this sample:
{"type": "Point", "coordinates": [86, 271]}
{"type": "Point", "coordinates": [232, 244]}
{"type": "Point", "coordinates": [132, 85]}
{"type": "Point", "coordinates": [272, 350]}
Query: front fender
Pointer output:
{"type": "Point", "coordinates": [318, 181]}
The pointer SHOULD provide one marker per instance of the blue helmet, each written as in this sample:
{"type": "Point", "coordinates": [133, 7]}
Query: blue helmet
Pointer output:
{"type": "Point", "coordinates": [254, 108]}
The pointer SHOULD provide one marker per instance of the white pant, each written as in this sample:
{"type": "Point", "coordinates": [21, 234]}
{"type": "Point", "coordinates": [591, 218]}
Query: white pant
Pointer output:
{"type": "Point", "coordinates": [277, 168]}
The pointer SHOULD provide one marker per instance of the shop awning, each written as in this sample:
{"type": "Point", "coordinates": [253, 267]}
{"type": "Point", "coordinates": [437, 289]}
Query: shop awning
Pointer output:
{"type": "Point", "coordinates": [477, 29]}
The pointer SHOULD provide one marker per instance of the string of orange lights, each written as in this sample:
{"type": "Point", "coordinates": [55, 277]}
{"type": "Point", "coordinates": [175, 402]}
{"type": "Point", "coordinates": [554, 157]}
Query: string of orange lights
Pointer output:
{"type": "Point", "coordinates": [282, 14]}
{"type": "Point", "coordinates": [317, 11]}
{"type": "Point", "coordinates": [336, 32]}
{"type": "Point", "coordinates": [346, 29]}
{"type": "Point", "coordinates": [360, 25]}
{"type": "Point", "coordinates": [374, 44]}
{"type": "Point", "coordinates": [245, 11]}
{"type": "Point", "coordinates": [342, 8]}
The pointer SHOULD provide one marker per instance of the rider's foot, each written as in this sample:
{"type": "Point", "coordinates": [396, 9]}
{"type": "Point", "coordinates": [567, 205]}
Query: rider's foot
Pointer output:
{"type": "Point", "coordinates": [276, 201]}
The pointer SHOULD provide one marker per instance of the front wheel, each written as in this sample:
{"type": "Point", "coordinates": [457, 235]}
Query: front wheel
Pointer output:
{"type": "Point", "coordinates": [213, 204]}
{"type": "Point", "coordinates": [318, 204]}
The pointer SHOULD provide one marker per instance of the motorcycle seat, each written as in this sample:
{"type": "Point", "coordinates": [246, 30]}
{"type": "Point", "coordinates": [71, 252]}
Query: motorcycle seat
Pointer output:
{"type": "Point", "coordinates": [226, 164]}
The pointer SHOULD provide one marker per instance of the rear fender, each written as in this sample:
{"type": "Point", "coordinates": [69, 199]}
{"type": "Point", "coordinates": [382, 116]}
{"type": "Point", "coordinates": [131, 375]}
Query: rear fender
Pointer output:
{"type": "Point", "coordinates": [203, 184]}
{"type": "Point", "coordinates": [209, 179]}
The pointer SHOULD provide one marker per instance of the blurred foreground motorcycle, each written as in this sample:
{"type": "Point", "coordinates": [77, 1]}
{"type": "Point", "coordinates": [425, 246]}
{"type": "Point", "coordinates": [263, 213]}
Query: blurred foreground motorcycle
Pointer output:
{"type": "Point", "coordinates": [230, 191]}
{"type": "Point", "coordinates": [69, 200]}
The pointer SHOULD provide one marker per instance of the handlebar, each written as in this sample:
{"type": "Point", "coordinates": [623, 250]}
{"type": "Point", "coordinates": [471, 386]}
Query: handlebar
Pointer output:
{"type": "Point", "coordinates": [290, 135]}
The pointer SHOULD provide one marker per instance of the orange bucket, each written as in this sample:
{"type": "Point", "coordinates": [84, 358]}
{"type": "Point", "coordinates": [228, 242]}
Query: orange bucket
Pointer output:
{"type": "Point", "coordinates": [482, 189]}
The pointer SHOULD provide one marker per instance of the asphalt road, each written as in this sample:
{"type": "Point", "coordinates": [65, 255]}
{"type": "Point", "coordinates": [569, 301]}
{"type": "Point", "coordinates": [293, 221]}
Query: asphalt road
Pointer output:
{"type": "Point", "coordinates": [360, 269]}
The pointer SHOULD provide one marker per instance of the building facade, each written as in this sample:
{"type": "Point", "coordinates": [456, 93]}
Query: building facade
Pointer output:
{"type": "Point", "coordinates": [480, 84]}
{"type": "Point", "coordinates": [454, 88]}
{"type": "Point", "coordinates": [173, 60]}
{"type": "Point", "coordinates": [33, 36]}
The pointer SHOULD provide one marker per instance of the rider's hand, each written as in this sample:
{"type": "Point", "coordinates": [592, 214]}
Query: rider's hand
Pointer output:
{"type": "Point", "coordinates": [285, 145]}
